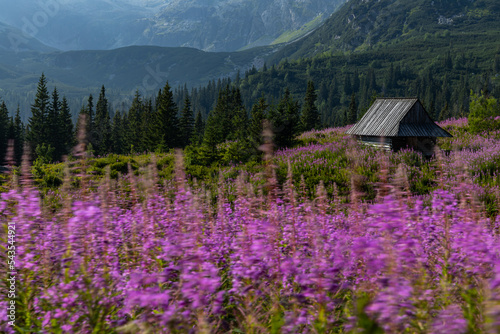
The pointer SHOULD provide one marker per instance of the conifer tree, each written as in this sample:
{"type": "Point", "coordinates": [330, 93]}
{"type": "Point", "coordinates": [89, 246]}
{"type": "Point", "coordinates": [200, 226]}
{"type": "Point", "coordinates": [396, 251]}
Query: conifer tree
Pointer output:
{"type": "Point", "coordinates": [53, 127]}
{"type": "Point", "coordinates": [496, 64]}
{"type": "Point", "coordinates": [352, 114]}
{"type": "Point", "coordinates": [102, 125]}
{"type": "Point", "coordinates": [117, 134]}
{"type": "Point", "coordinates": [223, 115]}
{"type": "Point", "coordinates": [310, 115]}
{"type": "Point", "coordinates": [135, 115]}
{"type": "Point", "coordinates": [4, 131]}
{"type": "Point", "coordinates": [355, 81]}
{"type": "Point", "coordinates": [285, 120]}
{"type": "Point", "coordinates": [167, 121]}
{"type": "Point", "coordinates": [208, 151]}
{"type": "Point", "coordinates": [38, 122]}
{"type": "Point", "coordinates": [445, 112]}
{"type": "Point", "coordinates": [90, 119]}
{"type": "Point", "coordinates": [347, 84]}
{"type": "Point", "coordinates": [90, 109]}
{"type": "Point", "coordinates": [199, 129]}
{"type": "Point", "coordinates": [65, 126]}
{"type": "Point", "coordinates": [371, 82]}
{"type": "Point", "coordinates": [148, 139]}
{"type": "Point", "coordinates": [390, 79]}
{"type": "Point", "coordinates": [257, 117]}
{"type": "Point", "coordinates": [10, 133]}
{"type": "Point", "coordinates": [239, 125]}
{"type": "Point", "coordinates": [219, 126]}
{"type": "Point", "coordinates": [186, 123]}
{"type": "Point", "coordinates": [19, 135]}
{"type": "Point", "coordinates": [238, 117]}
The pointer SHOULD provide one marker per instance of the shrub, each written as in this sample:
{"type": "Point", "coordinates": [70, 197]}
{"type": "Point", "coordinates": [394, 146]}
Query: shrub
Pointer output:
{"type": "Point", "coordinates": [484, 114]}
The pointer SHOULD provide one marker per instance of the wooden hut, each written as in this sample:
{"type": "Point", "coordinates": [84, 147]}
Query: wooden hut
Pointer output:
{"type": "Point", "coordinates": [396, 123]}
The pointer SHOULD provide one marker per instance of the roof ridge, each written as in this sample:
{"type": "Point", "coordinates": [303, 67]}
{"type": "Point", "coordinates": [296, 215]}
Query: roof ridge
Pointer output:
{"type": "Point", "coordinates": [397, 98]}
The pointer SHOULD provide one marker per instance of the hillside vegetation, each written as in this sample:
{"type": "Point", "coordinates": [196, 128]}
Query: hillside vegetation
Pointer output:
{"type": "Point", "coordinates": [366, 25]}
{"type": "Point", "coordinates": [438, 51]}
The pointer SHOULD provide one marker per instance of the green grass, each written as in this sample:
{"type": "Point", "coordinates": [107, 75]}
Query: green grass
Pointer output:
{"type": "Point", "coordinates": [292, 35]}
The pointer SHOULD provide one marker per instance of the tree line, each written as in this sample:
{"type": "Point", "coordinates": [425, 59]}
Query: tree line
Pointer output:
{"type": "Point", "coordinates": [442, 83]}
{"type": "Point", "coordinates": [293, 95]}
{"type": "Point", "coordinates": [157, 124]}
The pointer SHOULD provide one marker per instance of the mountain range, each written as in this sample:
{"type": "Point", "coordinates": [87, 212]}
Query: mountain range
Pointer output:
{"type": "Point", "coordinates": [215, 25]}
{"type": "Point", "coordinates": [374, 32]}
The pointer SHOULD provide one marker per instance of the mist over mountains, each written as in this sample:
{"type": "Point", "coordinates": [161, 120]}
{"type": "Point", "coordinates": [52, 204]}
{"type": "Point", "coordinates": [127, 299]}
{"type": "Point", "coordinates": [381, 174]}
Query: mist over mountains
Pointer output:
{"type": "Point", "coordinates": [215, 25]}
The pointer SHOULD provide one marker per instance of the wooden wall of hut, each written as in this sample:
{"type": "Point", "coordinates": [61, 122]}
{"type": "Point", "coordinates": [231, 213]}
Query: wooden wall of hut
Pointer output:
{"type": "Point", "coordinates": [426, 145]}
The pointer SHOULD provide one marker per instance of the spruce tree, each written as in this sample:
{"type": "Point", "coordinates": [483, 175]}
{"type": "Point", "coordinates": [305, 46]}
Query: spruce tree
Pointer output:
{"type": "Point", "coordinates": [102, 125]}
{"type": "Point", "coordinates": [237, 117]}
{"type": "Point", "coordinates": [90, 119]}
{"type": "Point", "coordinates": [53, 121]}
{"type": "Point", "coordinates": [257, 117]}
{"type": "Point", "coordinates": [310, 115]}
{"type": "Point", "coordinates": [352, 114]}
{"type": "Point", "coordinates": [390, 78]}
{"type": "Point", "coordinates": [199, 129]}
{"type": "Point", "coordinates": [216, 128]}
{"type": "Point", "coordinates": [117, 134]}
{"type": "Point", "coordinates": [186, 123]}
{"type": "Point", "coordinates": [285, 120]}
{"type": "Point", "coordinates": [239, 125]}
{"type": "Point", "coordinates": [496, 64]}
{"type": "Point", "coordinates": [371, 81]}
{"type": "Point", "coordinates": [208, 151]}
{"type": "Point", "coordinates": [19, 135]}
{"type": "Point", "coordinates": [38, 122]}
{"type": "Point", "coordinates": [355, 81]}
{"type": "Point", "coordinates": [4, 131]}
{"type": "Point", "coordinates": [221, 124]}
{"type": "Point", "coordinates": [167, 121]}
{"type": "Point", "coordinates": [66, 132]}
{"type": "Point", "coordinates": [134, 118]}
{"type": "Point", "coordinates": [229, 116]}
{"type": "Point", "coordinates": [445, 113]}
{"type": "Point", "coordinates": [148, 138]}
{"type": "Point", "coordinates": [347, 84]}
{"type": "Point", "coordinates": [10, 134]}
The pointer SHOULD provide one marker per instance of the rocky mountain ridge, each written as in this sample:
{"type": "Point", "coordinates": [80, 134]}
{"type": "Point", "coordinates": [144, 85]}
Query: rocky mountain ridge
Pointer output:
{"type": "Point", "coordinates": [215, 25]}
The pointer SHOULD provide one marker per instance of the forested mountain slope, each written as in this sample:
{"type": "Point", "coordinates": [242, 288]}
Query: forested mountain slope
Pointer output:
{"type": "Point", "coordinates": [123, 71]}
{"type": "Point", "coordinates": [436, 50]}
{"type": "Point", "coordinates": [368, 24]}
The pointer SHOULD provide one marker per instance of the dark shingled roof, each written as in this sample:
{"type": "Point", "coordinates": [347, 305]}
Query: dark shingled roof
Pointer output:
{"type": "Point", "coordinates": [384, 117]}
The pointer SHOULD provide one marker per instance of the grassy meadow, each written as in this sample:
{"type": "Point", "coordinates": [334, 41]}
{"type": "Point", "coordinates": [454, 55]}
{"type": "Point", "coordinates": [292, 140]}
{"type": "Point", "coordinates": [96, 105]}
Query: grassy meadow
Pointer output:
{"type": "Point", "coordinates": [326, 237]}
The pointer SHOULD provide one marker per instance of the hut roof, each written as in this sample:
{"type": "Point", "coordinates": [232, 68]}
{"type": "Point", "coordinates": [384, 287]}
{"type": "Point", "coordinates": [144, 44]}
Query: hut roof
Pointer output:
{"type": "Point", "coordinates": [397, 117]}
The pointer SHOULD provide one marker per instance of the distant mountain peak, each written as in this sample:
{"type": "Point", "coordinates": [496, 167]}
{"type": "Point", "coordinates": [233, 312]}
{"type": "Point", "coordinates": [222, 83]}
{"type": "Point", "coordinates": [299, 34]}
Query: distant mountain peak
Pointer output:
{"type": "Point", "coordinates": [15, 40]}
{"type": "Point", "coordinates": [210, 25]}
